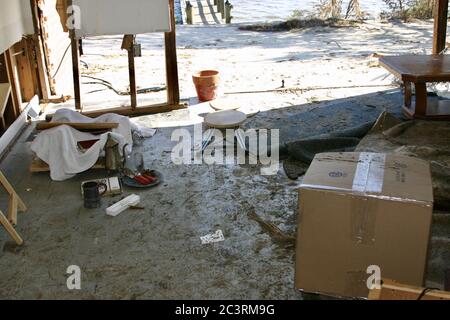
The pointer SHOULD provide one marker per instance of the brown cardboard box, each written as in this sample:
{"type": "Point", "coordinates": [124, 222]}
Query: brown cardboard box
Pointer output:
{"type": "Point", "coordinates": [359, 210]}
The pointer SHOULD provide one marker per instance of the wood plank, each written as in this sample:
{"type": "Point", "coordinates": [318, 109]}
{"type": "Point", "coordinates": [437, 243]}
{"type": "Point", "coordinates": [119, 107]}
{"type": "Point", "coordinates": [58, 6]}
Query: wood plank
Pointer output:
{"type": "Point", "coordinates": [128, 42]}
{"type": "Point", "coordinates": [10, 229]}
{"type": "Point", "coordinates": [12, 209]}
{"type": "Point", "coordinates": [173, 87]}
{"type": "Point", "coordinates": [14, 130]}
{"type": "Point", "coordinates": [39, 166]}
{"type": "Point", "coordinates": [12, 76]}
{"type": "Point", "coordinates": [25, 69]}
{"type": "Point", "coordinates": [144, 110]}
{"type": "Point", "coordinates": [44, 83]}
{"type": "Point", "coordinates": [392, 290]}
{"type": "Point", "coordinates": [440, 26]}
{"type": "Point", "coordinates": [78, 125]}
{"type": "Point", "coordinates": [5, 91]}
{"type": "Point", "coordinates": [75, 66]}
{"type": "Point", "coordinates": [8, 187]}
{"type": "Point", "coordinates": [76, 70]}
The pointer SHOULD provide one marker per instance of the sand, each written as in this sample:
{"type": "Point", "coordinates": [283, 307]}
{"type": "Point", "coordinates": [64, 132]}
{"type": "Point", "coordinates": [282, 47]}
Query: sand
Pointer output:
{"type": "Point", "coordinates": [255, 61]}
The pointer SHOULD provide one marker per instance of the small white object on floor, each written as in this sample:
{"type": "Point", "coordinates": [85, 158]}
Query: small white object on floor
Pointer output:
{"type": "Point", "coordinates": [213, 238]}
{"type": "Point", "coordinates": [123, 205]}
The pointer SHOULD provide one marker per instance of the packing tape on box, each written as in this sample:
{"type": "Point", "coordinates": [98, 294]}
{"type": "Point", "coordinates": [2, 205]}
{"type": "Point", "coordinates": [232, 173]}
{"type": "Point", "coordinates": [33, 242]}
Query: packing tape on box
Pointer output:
{"type": "Point", "coordinates": [369, 175]}
{"type": "Point", "coordinates": [369, 178]}
{"type": "Point", "coordinates": [363, 220]}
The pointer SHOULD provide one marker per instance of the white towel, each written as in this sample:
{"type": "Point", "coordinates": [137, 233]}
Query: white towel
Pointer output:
{"type": "Point", "coordinates": [58, 147]}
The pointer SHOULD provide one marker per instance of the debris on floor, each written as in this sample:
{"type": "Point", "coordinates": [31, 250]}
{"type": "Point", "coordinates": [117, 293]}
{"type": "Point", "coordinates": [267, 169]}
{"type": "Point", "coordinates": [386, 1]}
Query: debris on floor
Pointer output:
{"type": "Point", "coordinates": [112, 186]}
{"type": "Point", "coordinates": [213, 238]}
{"type": "Point", "coordinates": [123, 205]}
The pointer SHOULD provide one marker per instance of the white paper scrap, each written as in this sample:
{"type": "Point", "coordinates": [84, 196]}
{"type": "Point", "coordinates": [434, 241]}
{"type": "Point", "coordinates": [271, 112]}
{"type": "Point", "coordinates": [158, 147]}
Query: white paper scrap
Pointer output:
{"type": "Point", "coordinates": [213, 238]}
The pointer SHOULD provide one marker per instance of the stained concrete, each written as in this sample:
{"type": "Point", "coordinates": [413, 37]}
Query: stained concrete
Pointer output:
{"type": "Point", "coordinates": [156, 253]}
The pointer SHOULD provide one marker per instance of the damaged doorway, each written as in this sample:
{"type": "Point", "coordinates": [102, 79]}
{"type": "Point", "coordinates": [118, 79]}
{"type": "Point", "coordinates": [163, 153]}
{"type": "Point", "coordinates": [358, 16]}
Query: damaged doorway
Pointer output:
{"type": "Point", "coordinates": [109, 74]}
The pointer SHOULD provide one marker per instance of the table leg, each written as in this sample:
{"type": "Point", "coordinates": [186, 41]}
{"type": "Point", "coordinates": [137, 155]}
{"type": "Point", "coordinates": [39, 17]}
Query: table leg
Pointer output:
{"type": "Point", "coordinates": [408, 94]}
{"type": "Point", "coordinates": [421, 100]}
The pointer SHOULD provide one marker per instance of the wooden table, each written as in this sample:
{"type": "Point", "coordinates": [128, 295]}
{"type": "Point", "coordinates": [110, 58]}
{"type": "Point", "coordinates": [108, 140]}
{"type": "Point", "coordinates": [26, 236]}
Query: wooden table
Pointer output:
{"type": "Point", "coordinates": [419, 70]}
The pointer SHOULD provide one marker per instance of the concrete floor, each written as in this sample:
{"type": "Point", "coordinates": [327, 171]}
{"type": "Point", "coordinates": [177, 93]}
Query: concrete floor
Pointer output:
{"type": "Point", "coordinates": [156, 253]}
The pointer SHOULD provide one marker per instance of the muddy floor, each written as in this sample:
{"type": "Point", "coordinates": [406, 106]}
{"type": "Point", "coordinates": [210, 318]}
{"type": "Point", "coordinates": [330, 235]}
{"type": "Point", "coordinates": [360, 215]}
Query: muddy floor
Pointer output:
{"type": "Point", "coordinates": [156, 253]}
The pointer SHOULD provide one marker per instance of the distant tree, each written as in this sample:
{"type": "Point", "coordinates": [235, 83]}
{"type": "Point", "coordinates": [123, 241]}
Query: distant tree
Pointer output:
{"type": "Point", "coordinates": [406, 9]}
{"type": "Point", "coordinates": [334, 9]}
{"type": "Point", "coordinates": [353, 8]}
{"type": "Point", "coordinates": [330, 8]}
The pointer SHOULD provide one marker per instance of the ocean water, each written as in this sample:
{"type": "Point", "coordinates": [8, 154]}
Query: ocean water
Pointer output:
{"type": "Point", "coordinates": [271, 10]}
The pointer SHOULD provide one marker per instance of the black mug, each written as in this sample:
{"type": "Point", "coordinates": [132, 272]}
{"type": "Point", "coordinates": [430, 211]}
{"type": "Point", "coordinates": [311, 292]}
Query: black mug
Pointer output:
{"type": "Point", "coordinates": [92, 194]}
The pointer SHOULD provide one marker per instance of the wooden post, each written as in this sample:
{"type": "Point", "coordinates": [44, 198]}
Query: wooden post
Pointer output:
{"type": "Point", "coordinates": [421, 99]}
{"type": "Point", "coordinates": [128, 44]}
{"type": "Point", "coordinates": [15, 204]}
{"type": "Point", "coordinates": [76, 70]}
{"type": "Point", "coordinates": [80, 46]}
{"type": "Point", "coordinates": [222, 8]}
{"type": "Point", "coordinates": [228, 7]}
{"type": "Point", "coordinates": [15, 90]}
{"type": "Point", "coordinates": [173, 87]}
{"type": "Point", "coordinates": [440, 26]}
{"type": "Point", "coordinates": [75, 65]}
{"type": "Point", "coordinates": [44, 83]}
{"type": "Point", "coordinates": [189, 17]}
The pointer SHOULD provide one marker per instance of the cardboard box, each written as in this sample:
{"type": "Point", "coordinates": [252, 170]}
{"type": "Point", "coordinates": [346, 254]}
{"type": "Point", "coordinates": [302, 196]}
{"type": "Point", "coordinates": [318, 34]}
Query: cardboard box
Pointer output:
{"type": "Point", "coordinates": [359, 210]}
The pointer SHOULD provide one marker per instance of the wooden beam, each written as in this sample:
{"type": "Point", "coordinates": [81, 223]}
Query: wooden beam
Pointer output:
{"type": "Point", "coordinates": [81, 126]}
{"type": "Point", "coordinates": [128, 44]}
{"type": "Point", "coordinates": [392, 290]}
{"type": "Point", "coordinates": [440, 26]}
{"type": "Point", "coordinates": [9, 188]}
{"type": "Point", "coordinates": [15, 90]}
{"type": "Point", "coordinates": [143, 110]}
{"type": "Point", "coordinates": [26, 71]}
{"type": "Point", "coordinates": [10, 229]}
{"type": "Point", "coordinates": [44, 83]}
{"type": "Point", "coordinates": [75, 66]}
{"type": "Point", "coordinates": [173, 87]}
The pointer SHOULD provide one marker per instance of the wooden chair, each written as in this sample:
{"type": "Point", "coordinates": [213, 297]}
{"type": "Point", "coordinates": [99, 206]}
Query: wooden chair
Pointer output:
{"type": "Point", "coordinates": [15, 204]}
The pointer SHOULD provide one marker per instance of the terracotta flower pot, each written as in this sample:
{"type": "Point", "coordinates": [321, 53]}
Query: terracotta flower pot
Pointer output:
{"type": "Point", "coordinates": [206, 83]}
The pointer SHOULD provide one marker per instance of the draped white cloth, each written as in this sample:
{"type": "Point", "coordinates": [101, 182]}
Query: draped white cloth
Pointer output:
{"type": "Point", "coordinates": [58, 147]}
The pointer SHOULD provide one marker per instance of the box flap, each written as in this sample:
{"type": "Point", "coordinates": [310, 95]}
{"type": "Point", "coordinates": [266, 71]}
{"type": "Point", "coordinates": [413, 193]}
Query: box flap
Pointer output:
{"type": "Point", "coordinates": [393, 176]}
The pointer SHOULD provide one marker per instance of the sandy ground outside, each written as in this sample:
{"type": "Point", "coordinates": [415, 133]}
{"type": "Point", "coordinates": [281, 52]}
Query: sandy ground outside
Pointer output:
{"type": "Point", "coordinates": [254, 61]}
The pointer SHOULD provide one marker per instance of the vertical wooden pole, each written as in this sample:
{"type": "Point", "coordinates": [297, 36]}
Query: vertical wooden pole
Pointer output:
{"type": "Point", "coordinates": [189, 17]}
{"type": "Point", "coordinates": [173, 88]}
{"type": "Point", "coordinates": [228, 7]}
{"type": "Point", "coordinates": [15, 90]}
{"type": "Point", "coordinates": [440, 26]}
{"type": "Point", "coordinates": [75, 66]}
{"type": "Point", "coordinates": [132, 71]}
{"type": "Point", "coordinates": [44, 84]}
{"type": "Point", "coordinates": [421, 100]}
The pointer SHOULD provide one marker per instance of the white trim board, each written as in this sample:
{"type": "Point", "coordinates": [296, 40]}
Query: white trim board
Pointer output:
{"type": "Point", "coordinates": [13, 132]}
